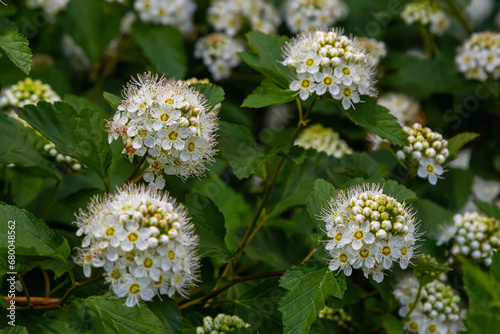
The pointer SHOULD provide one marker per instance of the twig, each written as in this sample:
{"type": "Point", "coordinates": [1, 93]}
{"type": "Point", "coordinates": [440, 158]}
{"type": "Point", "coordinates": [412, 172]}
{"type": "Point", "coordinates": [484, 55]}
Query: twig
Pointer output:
{"type": "Point", "coordinates": [47, 283]}
{"type": "Point", "coordinates": [136, 169]}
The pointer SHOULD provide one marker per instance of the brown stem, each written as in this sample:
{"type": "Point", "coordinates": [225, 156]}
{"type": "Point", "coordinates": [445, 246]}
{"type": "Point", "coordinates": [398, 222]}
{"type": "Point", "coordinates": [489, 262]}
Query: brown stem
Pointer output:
{"type": "Point", "coordinates": [35, 301]}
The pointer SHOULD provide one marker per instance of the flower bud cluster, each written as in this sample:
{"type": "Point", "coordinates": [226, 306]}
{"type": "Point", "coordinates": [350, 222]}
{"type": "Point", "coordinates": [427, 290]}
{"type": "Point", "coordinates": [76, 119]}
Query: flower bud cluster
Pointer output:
{"type": "Point", "coordinates": [472, 235]}
{"type": "Point", "coordinates": [302, 15]}
{"type": "Point", "coordinates": [222, 324]}
{"type": "Point", "coordinates": [27, 91]}
{"type": "Point", "coordinates": [375, 49]}
{"type": "Point", "coordinates": [62, 159]}
{"type": "Point", "coordinates": [369, 230]}
{"type": "Point", "coordinates": [178, 13]}
{"type": "Point", "coordinates": [142, 239]}
{"type": "Point", "coordinates": [51, 7]}
{"type": "Point", "coordinates": [170, 122]}
{"type": "Point", "coordinates": [339, 316]}
{"type": "Point", "coordinates": [229, 16]}
{"type": "Point", "coordinates": [427, 149]}
{"type": "Point", "coordinates": [479, 57]}
{"type": "Point", "coordinates": [219, 53]}
{"type": "Point", "coordinates": [437, 310]}
{"type": "Point", "coordinates": [330, 61]}
{"type": "Point", "coordinates": [427, 13]}
{"type": "Point", "coordinates": [322, 139]}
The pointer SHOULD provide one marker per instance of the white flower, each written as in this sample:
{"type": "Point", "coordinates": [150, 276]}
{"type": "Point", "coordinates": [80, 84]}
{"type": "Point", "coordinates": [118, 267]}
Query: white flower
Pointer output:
{"type": "Point", "coordinates": [387, 251]}
{"type": "Point", "coordinates": [323, 140]}
{"type": "Point", "coordinates": [178, 13]}
{"type": "Point", "coordinates": [170, 122]}
{"type": "Point", "coordinates": [305, 14]}
{"type": "Point", "coordinates": [330, 61]}
{"type": "Point", "coordinates": [479, 57]}
{"type": "Point", "coordinates": [430, 170]}
{"type": "Point", "coordinates": [428, 13]}
{"type": "Point", "coordinates": [142, 240]}
{"type": "Point", "coordinates": [340, 261]}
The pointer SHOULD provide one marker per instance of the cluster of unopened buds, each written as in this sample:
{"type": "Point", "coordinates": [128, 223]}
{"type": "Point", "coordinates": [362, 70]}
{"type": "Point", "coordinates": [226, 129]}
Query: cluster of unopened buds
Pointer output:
{"type": "Point", "coordinates": [330, 62]}
{"type": "Point", "coordinates": [142, 239]}
{"type": "Point", "coordinates": [322, 139]}
{"type": "Point", "coordinates": [427, 150]}
{"type": "Point", "coordinates": [219, 53]}
{"type": "Point", "coordinates": [27, 91]}
{"type": "Point", "coordinates": [472, 235]}
{"type": "Point", "coordinates": [222, 324]}
{"type": "Point", "coordinates": [427, 13]}
{"type": "Point", "coordinates": [306, 14]}
{"type": "Point", "coordinates": [229, 16]}
{"type": "Point", "coordinates": [169, 121]}
{"type": "Point", "coordinates": [479, 57]}
{"type": "Point", "coordinates": [178, 13]}
{"type": "Point", "coordinates": [437, 310]}
{"type": "Point", "coordinates": [369, 230]}
{"type": "Point", "coordinates": [62, 159]}
{"type": "Point", "coordinates": [51, 7]}
{"type": "Point", "coordinates": [338, 316]}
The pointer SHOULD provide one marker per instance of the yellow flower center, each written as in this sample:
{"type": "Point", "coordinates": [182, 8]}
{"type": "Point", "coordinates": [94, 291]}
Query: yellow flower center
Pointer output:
{"type": "Point", "coordinates": [115, 274]}
{"type": "Point", "coordinates": [109, 232]}
{"type": "Point", "coordinates": [346, 71]}
{"type": "Point", "coordinates": [364, 253]}
{"type": "Point", "coordinates": [404, 251]}
{"type": "Point", "coordinates": [310, 62]}
{"type": "Point", "coordinates": [132, 237]}
{"type": "Point", "coordinates": [413, 326]}
{"type": "Point", "coordinates": [191, 147]}
{"type": "Point", "coordinates": [158, 282]}
{"type": "Point", "coordinates": [347, 92]}
{"type": "Point", "coordinates": [327, 81]}
{"type": "Point", "coordinates": [171, 255]}
{"type": "Point", "coordinates": [305, 83]}
{"type": "Point", "coordinates": [173, 135]}
{"type": "Point", "coordinates": [430, 169]}
{"type": "Point", "coordinates": [432, 328]}
{"type": "Point", "coordinates": [143, 133]}
{"type": "Point", "coordinates": [148, 263]}
{"type": "Point", "coordinates": [338, 237]}
{"type": "Point", "coordinates": [342, 258]}
{"type": "Point", "coordinates": [134, 289]}
{"type": "Point", "coordinates": [386, 250]}
{"type": "Point", "coordinates": [126, 207]}
{"type": "Point", "coordinates": [358, 235]}
{"type": "Point", "coordinates": [169, 101]}
{"type": "Point", "coordinates": [164, 117]}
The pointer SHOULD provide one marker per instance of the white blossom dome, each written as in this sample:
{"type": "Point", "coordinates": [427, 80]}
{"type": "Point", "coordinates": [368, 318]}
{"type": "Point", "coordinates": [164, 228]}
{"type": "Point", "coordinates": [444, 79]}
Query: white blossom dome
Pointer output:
{"type": "Point", "coordinates": [322, 139]}
{"type": "Point", "coordinates": [178, 13]}
{"type": "Point", "coordinates": [142, 239]}
{"type": "Point", "coordinates": [27, 91]}
{"type": "Point", "coordinates": [479, 57]}
{"type": "Point", "coordinates": [427, 13]}
{"type": "Point", "coordinates": [369, 230]}
{"type": "Point", "coordinates": [427, 150]}
{"type": "Point", "coordinates": [437, 310]}
{"type": "Point", "coordinates": [219, 53]}
{"type": "Point", "coordinates": [51, 7]}
{"type": "Point", "coordinates": [302, 15]}
{"type": "Point", "coordinates": [472, 235]}
{"type": "Point", "coordinates": [330, 62]}
{"type": "Point", "coordinates": [170, 122]}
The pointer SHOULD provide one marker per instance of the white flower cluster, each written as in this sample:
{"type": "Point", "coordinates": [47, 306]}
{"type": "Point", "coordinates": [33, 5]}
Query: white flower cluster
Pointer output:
{"type": "Point", "coordinates": [427, 13]}
{"type": "Point", "coordinates": [375, 49]}
{"type": "Point", "coordinates": [405, 108]}
{"type": "Point", "coordinates": [302, 15]}
{"type": "Point", "coordinates": [229, 16]}
{"type": "Point", "coordinates": [322, 139]}
{"type": "Point", "coordinates": [437, 310]}
{"type": "Point", "coordinates": [330, 61]}
{"type": "Point", "coordinates": [479, 10]}
{"type": "Point", "coordinates": [369, 230]}
{"type": "Point", "coordinates": [472, 235]}
{"type": "Point", "coordinates": [170, 122]}
{"type": "Point", "coordinates": [219, 53]}
{"type": "Point", "coordinates": [222, 324]}
{"type": "Point", "coordinates": [427, 149]}
{"type": "Point", "coordinates": [27, 91]}
{"type": "Point", "coordinates": [51, 7]}
{"type": "Point", "coordinates": [142, 239]}
{"type": "Point", "coordinates": [178, 13]}
{"type": "Point", "coordinates": [479, 57]}
{"type": "Point", "coordinates": [62, 159]}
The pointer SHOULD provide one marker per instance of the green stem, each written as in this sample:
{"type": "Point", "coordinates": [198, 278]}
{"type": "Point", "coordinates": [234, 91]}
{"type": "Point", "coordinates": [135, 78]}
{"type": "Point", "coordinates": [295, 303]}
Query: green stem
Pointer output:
{"type": "Point", "coordinates": [58, 287]}
{"type": "Point", "coordinates": [136, 169]}
{"type": "Point", "coordinates": [414, 306]}
{"type": "Point", "coordinates": [71, 274]}
{"type": "Point", "coordinates": [26, 292]}
{"type": "Point", "coordinates": [47, 283]}
{"type": "Point", "coordinates": [460, 16]}
{"type": "Point", "coordinates": [74, 287]}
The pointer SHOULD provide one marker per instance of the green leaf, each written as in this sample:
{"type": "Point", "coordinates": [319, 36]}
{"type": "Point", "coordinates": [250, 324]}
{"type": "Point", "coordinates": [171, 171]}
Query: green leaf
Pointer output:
{"type": "Point", "coordinates": [460, 140]}
{"type": "Point", "coordinates": [15, 45]}
{"type": "Point", "coordinates": [307, 285]}
{"type": "Point", "coordinates": [213, 93]}
{"type": "Point", "coordinates": [14, 330]}
{"type": "Point", "coordinates": [265, 56]}
{"type": "Point", "coordinates": [113, 100]}
{"type": "Point", "coordinates": [419, 265]}
{"type": "Point", "coordinates": [77, 133]}
{"type": "Point", "coordinates": [237, 145]}
{"type": "Point", "coordinates": [169, 314]}
{"type": "Point", "coordinates": [378, 120]}
{"type": "Point", "coordinates": [22, 147]}
{"type": "Point", "coordinates": [392, 324]}
{"type": "Point", "coordinates": [489, 209]}
{"type": "Point", "coordinates": [319, 197]}
{"type": "Point", "coordinates": [268, 94]}
{"type": "Point", "coordinates": [209, 225]}
{"type": "Point", "coordinates": [92, 25]}
{"type": "Point", "coordinates": [33, 237]}
{"type": "Point", "coordinates": [163, 45]}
